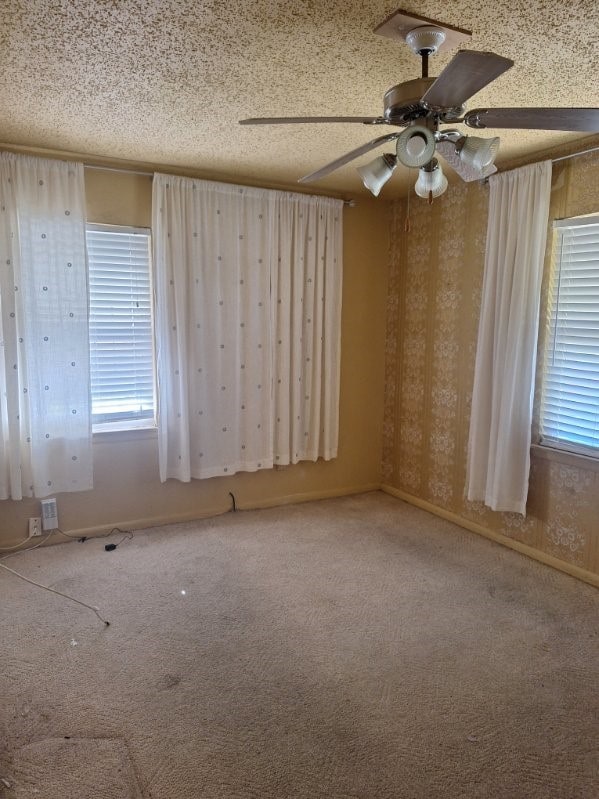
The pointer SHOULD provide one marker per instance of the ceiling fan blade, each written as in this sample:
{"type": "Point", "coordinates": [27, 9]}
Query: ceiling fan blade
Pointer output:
{"type": "Point", "coordinates": [467, 173]}
{"type": "Point", "coordinates": [579, 119]}
{"type": "Point", "coordinates": [345, 159]}
{"type": "Point", "coordinates": [467, 73]}
{"type": "Point", "coordinates": [304, 120]}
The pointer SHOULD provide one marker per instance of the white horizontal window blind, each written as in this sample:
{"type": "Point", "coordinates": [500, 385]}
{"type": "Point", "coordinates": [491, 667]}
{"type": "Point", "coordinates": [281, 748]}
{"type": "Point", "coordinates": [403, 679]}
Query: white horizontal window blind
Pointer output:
{"type": "Point", "coordinates": [120, 325]}
{"type": "Point", "coordinates": [570, 392]}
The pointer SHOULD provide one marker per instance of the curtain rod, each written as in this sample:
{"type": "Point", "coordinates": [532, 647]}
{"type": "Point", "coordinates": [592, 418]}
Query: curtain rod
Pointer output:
{"type": "Point", "coordinates": [573, 155]}
{"type": "Point", "coordinates": [350, 203]}
{"type": "Point", "coordinates": [119, 169]}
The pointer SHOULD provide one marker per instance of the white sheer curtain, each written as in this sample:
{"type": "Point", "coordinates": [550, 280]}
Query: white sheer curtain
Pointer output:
{"type": "Point", "coordinates": [306, 309]}
{"type": "Point", "coordinates": [45, 430]}
{"type": "Point", "coordinates": [248, 301]}
{"type": "Point", "coordinates": [500, 422]}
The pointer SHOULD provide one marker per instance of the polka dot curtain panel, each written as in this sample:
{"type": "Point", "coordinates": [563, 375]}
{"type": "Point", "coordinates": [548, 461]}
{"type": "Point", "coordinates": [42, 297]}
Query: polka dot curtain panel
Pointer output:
{"type": "Point", "coordinates": [45, 432]}
{"type": "Point", "coordinates": [248, 304]}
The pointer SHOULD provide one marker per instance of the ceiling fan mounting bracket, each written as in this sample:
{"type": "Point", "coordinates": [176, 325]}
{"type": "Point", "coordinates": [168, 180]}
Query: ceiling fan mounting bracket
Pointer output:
{"type": "Point", "coordinates": [403, 23]}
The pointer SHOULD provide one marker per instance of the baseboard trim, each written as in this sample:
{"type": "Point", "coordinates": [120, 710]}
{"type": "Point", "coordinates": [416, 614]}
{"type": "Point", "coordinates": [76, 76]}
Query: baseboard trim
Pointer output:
{"type": "Point", "coordinates": [208, 513]}
{"type": "Point", "coordinates": [523, 549]}
{"type": "Point", "coordinates": [310, 496]}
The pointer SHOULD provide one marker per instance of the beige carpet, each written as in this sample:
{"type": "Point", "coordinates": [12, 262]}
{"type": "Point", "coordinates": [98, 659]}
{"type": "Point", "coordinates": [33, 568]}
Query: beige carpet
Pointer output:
{"type": "Point", "coordinates": [355, 648]}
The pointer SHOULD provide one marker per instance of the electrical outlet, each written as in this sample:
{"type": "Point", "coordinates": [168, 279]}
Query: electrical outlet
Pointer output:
{"type": "Point", "coordinates": [35, 526]}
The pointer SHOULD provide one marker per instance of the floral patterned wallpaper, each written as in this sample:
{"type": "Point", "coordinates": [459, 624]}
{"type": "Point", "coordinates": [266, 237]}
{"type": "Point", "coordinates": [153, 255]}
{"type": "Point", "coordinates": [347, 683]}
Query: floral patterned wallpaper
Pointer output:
{"type": "Point", "coordinates": [435, 283]}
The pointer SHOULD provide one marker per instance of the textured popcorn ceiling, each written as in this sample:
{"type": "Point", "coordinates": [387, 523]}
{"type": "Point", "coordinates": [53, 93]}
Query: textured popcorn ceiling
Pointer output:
{"type": "Point", "coordinates": [165, 82]}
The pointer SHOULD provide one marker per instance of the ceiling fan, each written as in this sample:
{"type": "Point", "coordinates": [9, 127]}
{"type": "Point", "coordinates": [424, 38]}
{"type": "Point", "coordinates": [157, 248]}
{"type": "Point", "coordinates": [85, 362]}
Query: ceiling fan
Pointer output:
{"type": "Point", "coordinates": [423, 105]}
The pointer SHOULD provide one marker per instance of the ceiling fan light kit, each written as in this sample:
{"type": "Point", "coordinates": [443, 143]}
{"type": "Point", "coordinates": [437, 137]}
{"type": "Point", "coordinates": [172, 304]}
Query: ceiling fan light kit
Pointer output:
{"type": "Point", "coordinates": [447, 149]}
{"type": "Point", "coordinates": [376, 173]}
{"type": "Point", "coordinates": [416, 146]}
{"type": "Point", "coordinates": [424, 104]}
{"type": "Point", "coordinates": [477, 152]}
{"type": "Point", "coordinates": [431, 181]}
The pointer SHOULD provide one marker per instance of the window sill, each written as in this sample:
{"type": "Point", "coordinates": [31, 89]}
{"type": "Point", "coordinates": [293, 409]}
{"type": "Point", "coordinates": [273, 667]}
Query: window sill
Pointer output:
{"type": "Point", "coordinates": [124, 431]}
{"type": "Point", "coordinates": [567, 458]}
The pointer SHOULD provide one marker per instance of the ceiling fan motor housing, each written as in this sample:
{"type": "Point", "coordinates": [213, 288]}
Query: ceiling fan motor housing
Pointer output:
{"type": "Point", "coordinates": [402, 102]}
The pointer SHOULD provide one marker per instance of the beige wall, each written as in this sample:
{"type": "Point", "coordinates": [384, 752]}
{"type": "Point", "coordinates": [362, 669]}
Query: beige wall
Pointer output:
{"type": "Point", "coordinates": [433, 307]}
{"type": "Point", "coordinates": [127, 490]}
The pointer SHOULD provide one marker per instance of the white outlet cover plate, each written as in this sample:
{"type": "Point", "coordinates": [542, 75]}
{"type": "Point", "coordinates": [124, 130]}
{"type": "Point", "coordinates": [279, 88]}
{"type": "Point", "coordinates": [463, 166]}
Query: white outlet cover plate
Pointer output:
{"type": "Point", "coordinates": [400, 23]}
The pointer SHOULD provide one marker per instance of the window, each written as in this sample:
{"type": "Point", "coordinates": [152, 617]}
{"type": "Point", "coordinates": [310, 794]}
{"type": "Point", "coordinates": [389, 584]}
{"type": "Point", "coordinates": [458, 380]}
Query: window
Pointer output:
{"type": "Point", "coordinates": [120, 327]}
{"type": "Point", "coordinates": [570, 391]}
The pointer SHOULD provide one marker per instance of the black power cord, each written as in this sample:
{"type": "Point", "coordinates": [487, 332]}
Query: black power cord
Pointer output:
{"type": "Point", "coordinates": [107, 547]}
